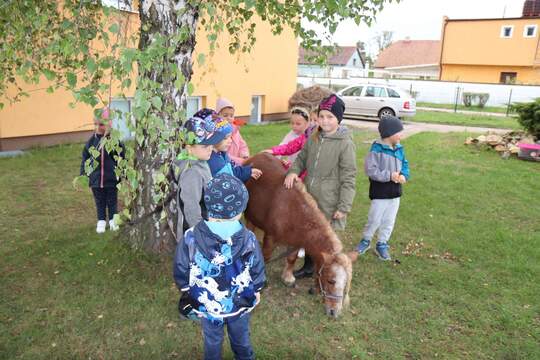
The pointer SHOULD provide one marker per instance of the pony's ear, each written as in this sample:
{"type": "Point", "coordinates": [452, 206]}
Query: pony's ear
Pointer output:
{"type": "Point", "coordinates": [327, 258]}
{"type": "Point", "coordinates": [353, 255]}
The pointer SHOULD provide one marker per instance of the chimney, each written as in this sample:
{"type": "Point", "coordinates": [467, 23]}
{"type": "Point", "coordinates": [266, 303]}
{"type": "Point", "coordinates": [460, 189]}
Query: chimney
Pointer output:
{"type": "Point", "coordinates": [531, 8]}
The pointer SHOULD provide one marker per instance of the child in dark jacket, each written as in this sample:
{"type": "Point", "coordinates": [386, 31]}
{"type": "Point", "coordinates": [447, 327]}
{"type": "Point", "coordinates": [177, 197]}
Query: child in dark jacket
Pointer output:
{"type": "Point", "coordinates": [221, 163]}
{"type": "Point", "coordinates": [219, 269]}
{"type": "Point", "coordinates": [387, 169]}
{"type": "Point", "coordinates": [102, 179]}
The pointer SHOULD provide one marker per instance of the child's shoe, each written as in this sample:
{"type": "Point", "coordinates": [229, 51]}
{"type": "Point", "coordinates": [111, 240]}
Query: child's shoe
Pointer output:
{"type": "Point", "coordinates": [112, 225]}
{"type": "Point", "coordinates": [382, 251]}
{"type": "Point", "coordinates": [100, 227]}
{"type": "Point", "coordinates": [363, 246]}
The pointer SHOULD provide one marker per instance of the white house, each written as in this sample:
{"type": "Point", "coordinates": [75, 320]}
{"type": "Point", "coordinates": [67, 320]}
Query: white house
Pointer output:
{"type": "Point", "coordinates": [345, 61]}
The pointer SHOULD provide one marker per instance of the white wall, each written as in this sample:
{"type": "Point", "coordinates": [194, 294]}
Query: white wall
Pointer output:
{"type": "Point", "coordinates": [442, 92]}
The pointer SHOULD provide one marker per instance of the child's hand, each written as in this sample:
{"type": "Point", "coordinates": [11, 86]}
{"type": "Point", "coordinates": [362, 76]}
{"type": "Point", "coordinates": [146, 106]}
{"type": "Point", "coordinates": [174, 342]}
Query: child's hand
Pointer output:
{"type": "Point", "coordinates": [256, 173]}
{"type": "Point", "coordinates": [290, 180]}
{"type": "Point", "coordinates": [338, 215]}
{"type": "Point", "coordinates": [402, 179]}
{"type": "Point", "coordinates": [395, 177]}
{"type": "Point", "coordinates": [257, 297]}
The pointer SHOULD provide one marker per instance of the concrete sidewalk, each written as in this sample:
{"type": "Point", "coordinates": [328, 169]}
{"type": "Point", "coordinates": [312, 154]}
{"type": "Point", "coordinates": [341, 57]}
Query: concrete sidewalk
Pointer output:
{"type": "Point", "coordinates": [412, 128]}
{"type": "Point", "coordinates": [467, 112]}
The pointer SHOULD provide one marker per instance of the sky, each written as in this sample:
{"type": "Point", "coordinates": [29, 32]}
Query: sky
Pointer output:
{"type": "Point", "coordinates": [422, 19]}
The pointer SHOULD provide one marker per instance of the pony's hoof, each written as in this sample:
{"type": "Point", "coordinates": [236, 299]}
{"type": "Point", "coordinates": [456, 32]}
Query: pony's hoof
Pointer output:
{"type": "Point", "coordinates": [289, 283]}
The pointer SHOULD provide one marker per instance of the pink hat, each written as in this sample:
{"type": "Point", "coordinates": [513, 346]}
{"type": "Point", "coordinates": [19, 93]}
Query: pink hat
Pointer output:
{"type": "Point", "coordinates": [223, 103]}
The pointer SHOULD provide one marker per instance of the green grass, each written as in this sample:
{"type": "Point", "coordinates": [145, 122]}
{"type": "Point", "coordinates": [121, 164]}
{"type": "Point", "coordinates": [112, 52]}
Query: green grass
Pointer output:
{"type": "Point", "coordinates": [465, 119]}
{"type": "Point", "coordinates": [67, 293]}
{"type": "Point", "coordinates": [492, 109]}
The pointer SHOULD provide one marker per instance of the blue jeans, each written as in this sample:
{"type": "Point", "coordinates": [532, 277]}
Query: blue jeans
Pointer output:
{"type": "Point", "coordinates": [238, 331]}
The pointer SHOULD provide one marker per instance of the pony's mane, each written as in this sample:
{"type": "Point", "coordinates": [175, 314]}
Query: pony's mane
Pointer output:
{"type": "Point", "coordinates": [327, 233]}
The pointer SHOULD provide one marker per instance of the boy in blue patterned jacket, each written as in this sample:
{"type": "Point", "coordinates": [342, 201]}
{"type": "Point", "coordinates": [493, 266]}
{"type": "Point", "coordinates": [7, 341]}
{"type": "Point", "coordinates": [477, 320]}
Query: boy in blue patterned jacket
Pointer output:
{"type": "Point", "coordinates": [387, 169]}
{"type": "Point", "coordinates": [219, 269]}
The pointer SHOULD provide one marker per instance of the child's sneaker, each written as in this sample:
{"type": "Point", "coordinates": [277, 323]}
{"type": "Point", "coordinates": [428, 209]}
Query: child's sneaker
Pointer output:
{"type": "Point", "coordinates": [382, 251]}
{"type": "Point", "coordinates": [363, 246]}
{"type": "Point", "coordinates": [112, 225]}
{"type": "Point", "coordinates": [100, 227]}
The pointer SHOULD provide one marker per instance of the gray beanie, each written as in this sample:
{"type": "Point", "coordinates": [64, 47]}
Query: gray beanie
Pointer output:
{"type": "Point", "coordinates": [389, 125]}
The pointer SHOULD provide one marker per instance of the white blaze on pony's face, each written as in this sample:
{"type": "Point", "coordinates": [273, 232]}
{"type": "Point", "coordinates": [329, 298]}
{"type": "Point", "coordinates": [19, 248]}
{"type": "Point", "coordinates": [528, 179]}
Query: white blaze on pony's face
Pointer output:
{"type": "Point", "coordinates": [334, 282]}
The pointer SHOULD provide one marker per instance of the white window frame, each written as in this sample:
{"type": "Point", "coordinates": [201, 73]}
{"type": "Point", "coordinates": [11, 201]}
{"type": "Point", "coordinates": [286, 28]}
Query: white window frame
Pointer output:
{"type": "Point", "coordinates": [503, 28]}
{"type": "Point", "coordinates": [199, 100]}
{"type": "Point", "coordinates": [527, 27]}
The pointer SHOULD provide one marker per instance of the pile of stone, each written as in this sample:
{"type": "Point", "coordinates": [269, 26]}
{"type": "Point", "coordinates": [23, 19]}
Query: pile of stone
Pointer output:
{"type": "Point", "coordinates": [506, 145]}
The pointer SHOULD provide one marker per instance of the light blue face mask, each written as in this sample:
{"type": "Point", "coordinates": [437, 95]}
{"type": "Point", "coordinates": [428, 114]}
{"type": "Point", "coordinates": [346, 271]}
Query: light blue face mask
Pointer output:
{"type": "Point", "coordinates": [225, 229]}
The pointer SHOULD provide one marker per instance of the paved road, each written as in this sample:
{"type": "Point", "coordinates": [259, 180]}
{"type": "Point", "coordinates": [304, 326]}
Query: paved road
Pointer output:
{"type": "Point", "coordinates": [412, 128]}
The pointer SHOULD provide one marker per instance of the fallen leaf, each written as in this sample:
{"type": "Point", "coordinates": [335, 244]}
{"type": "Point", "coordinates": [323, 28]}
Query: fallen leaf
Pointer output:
{"type": "Point", "coordinates": [142, 342]}
{"type": "Point", "coordinates": [100, 316]}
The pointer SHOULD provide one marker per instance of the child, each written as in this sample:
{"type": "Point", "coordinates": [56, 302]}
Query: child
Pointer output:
{"type": "Point", "coordinates": [219, 160]}
{"type": "Point", "coordinates": [192, 171]}
{"type": "Point", "coordinates": [301, 129]}
{"type": "Point", "coordinates": [329, 157]}
{"type": "Point", "coordinates": [102, 180]}
{"type": "Point", "coordinates": [220, 270]}
{"type": "Point", "coordinates": [387, 170]}
{"type": "Point", "coordinates": [239, 150]}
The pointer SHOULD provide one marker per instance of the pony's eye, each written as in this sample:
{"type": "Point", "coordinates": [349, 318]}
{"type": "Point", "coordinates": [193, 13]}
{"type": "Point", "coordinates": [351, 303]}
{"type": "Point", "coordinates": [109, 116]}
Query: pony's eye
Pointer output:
{"type": "Point", "coordinates": [331, 282]}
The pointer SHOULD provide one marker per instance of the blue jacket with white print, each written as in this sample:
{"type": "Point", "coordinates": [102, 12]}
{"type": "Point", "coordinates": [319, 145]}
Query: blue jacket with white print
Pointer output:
{"type": "Point", "coordinates": [219, 276]}
{"type": "Point", "coordinates": [381, 161]}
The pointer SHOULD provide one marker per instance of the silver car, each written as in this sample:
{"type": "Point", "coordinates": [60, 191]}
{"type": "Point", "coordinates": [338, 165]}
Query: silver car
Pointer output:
{"type": "Point", "coordinates": [375, 100]}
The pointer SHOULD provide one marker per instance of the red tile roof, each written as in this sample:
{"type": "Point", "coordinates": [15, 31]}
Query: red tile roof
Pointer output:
{"type": "Point", "coordinates": [410, 53]}
{"type": "Point", "coordinates": [341, 57]}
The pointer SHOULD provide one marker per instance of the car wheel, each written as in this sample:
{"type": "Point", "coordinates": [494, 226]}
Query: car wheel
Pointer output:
{"type": "Point", "coordinates": [386, 112]}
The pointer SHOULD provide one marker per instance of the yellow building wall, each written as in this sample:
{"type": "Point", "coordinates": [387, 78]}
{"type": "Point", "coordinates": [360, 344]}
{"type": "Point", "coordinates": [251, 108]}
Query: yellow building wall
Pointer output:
{"type": "Point", "coordinates": [489, 74]}
{"type": "Point", "coordinates": [479, 42]}
{"type": "Point", "coordinates": [268, 70]}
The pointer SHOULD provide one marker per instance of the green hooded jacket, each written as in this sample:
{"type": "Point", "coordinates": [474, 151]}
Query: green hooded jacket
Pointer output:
{"type": "Point", "coordinates": [330, 161]}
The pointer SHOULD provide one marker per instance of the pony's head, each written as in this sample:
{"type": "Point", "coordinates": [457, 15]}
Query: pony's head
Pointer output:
{"type": "Point", "coordinates": [334, 281]}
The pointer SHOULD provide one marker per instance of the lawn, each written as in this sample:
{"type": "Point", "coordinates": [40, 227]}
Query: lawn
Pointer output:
{"type": "Point", "coordinates": [469, 290]}
{"type": "Point", "coordinates": [465, 119]}
{"type": "Point", "coordinates": [492, 109]}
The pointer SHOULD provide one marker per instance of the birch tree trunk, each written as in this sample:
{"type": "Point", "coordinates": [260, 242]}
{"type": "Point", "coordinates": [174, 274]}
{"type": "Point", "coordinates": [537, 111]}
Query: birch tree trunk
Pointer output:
{"type": "Point", "coordinates": [162, 18]}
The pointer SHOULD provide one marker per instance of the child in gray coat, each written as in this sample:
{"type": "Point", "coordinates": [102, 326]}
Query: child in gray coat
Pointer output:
{"type": "Point", "coordinates": [192, 171]}
{"type": "Point", "coordinates": [387, 169]}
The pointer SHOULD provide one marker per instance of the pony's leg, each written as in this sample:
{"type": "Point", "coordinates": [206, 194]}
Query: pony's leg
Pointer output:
{"type": "Point", "coordinates": [268, 247]}
{"type": "Point", "coordinates": [287, 274]}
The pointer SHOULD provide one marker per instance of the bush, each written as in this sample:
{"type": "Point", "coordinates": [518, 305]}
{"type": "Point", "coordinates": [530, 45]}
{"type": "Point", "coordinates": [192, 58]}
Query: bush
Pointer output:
{"type": "Point", "coordinates": [529, 116]}
{"type": "Point", "coordinates": [477, 99]}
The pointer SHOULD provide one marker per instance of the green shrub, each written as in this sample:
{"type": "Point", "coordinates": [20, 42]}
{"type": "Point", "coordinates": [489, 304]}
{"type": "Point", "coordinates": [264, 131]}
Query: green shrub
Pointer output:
{"type": "Point", "coordinates": [529, 116]}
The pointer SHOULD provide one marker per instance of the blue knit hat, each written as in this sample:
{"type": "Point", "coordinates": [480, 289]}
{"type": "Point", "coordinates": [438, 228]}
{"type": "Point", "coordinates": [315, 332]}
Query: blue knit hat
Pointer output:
{"type": "Point", "coordinates": [202, 125]}
{"type": "Point", "coordinates": [225, 197]}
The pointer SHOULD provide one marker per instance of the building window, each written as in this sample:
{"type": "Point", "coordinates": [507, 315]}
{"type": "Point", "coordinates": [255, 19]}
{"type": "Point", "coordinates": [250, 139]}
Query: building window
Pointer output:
{"type": "Point", "coordinates": [122, 107]}
{"type": "Point", "coordinates": [508, 77]}
{"type": "Point", "coordinates": [256, 109]}
{"type": "Point", "coordinates": [530, 31]}
{"type": "Point", "coordinates": [507, 31]}
{"type": "Point", "coordinates": [354, 62]}
{"type": "Point", "coordinates": [194, 104]}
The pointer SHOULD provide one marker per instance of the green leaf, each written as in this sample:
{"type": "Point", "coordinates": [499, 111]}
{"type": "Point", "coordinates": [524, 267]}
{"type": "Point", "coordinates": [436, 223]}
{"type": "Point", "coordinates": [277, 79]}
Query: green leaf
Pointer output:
{"type": "Point", "coordinates": [50, 75]}
{"type": "Point", "coordinates": [91, 66]}
{"type": "Point", "coordinates": [201, 58]}
{"type": "Point", "coordinates": [114, 28]}
{"type": "Point", "coordinates": [190, 89]}
{"type": "Point", "coordinates": [71, 79]}
{"type": "Point", "coordinates": [156, 102]}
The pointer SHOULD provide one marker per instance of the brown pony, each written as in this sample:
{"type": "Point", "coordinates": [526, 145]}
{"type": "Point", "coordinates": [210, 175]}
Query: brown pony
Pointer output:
{"type": "Point", "coordinates": [292, 218]}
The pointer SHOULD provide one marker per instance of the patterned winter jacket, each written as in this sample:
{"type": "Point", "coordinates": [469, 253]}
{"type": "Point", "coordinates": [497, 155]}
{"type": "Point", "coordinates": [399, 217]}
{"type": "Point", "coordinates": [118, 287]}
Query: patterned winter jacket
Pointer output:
{"type": "Point", "coordinates": [219, 276]}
